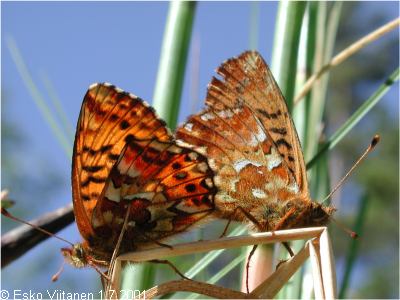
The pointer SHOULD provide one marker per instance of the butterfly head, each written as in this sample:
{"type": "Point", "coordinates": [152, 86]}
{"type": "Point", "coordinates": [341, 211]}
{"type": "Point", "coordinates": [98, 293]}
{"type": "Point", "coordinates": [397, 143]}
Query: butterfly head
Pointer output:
{"type": "Point", "coordinates": [75, 255]}
{"type": "Point", "coordinates": [319, 214]}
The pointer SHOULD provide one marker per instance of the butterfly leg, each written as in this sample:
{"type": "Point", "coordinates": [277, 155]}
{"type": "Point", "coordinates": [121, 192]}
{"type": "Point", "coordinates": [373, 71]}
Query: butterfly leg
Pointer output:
{"type": "Point", "coordinates": [246, 214]}
{"type": "Point", "coordinates": [279, 225]}
{"type": "Point", "coordinates": [167, 262]}
{"type": "Point", "coordinates": [253, 250]}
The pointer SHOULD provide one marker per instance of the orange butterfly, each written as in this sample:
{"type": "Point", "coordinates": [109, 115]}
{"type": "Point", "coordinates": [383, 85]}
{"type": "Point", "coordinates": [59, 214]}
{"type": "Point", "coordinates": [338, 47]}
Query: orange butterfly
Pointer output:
{"type": "Point", "coordinates": [252, 146]}
{"type": "Point", "coordinates": [129, 175]}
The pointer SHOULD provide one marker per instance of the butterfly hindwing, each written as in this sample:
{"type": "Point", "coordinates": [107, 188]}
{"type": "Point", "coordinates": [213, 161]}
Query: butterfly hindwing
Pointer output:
{"type": "Point", "coordinates": [249, 139]}
{"type": "Point", "coordinates": [166, 187]}
{"type": "Point", "coordinates": [247, 80]}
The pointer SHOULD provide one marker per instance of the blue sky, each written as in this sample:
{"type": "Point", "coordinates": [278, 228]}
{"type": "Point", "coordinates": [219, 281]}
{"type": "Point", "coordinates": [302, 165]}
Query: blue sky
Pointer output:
{"type": "Point", "coordinates": [75, 44]}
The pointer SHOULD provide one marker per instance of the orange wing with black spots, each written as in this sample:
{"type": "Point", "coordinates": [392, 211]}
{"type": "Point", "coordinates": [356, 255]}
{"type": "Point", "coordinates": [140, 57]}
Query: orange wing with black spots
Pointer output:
{"type": "Point", "coordinates": [126, 158]}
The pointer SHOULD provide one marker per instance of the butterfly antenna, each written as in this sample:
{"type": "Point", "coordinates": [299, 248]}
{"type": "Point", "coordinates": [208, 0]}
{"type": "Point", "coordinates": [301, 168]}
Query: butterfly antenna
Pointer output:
{"type": "Point", "coordinates": [352, 234]}
{"type": "Point", "coordinates": [374, 142]}
{"type": "Point", "coordinates": [55, 277]}
{"type": "Point", "coordinates": [5, 213]}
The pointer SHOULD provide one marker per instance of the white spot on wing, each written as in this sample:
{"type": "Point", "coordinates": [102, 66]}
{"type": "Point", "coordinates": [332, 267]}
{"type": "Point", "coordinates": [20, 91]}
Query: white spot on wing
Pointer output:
{"type": "Point", "coordinates": [258, 193]}
{"type": "Point", "coordinates": [202, 167]}
{"type": "Point", "coordinates": [189, 126]}
{"type": "Point", "coordinates": [240, 164]}
{"type": "Point", "coordinates": [174, 149]}
{"type": "Point", "coordinates": [133, 172]}
{"type": "Point", "coordinates": [225, 114]}
{"type": "Point", "coordinates": [112, 193]}
{"type": "Point", "coordinates": [293, 188]}
{"type": "Point", "coordinates": [93, 85]}
{"type": "Point", "coordinates": [193, 156]}
{"type": "Point", "coordinates": [145, 195]}
{"type": "Point", "coordinates": [184, 144]}
{"type": "Point", "coordinates": [207, 116]}
{"type": "Point", "coordinates": [261, 134]}
{"type": "Point", "coordinates": [273, 160]}
{"type": "Point", "coordinates": [225, 198]}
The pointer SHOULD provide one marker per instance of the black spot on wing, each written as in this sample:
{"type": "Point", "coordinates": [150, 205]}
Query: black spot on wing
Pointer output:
{"type": "Point", "coordinates": [124, 125]}
{"type": "Point", "coordinates": [176, 165]}
{"type": "Point", "coordinates": [283, 142]}
{"type": "Point", "coordinates": [92, 169]}
{"type": "Point", "coordinates": [190, 188]}
{"type": "Point", "coordinates": [113, 156]}
{"type": "Point", "coordinates": [281, 131]}
{"type": "Point", "coordinates": [94, 180]}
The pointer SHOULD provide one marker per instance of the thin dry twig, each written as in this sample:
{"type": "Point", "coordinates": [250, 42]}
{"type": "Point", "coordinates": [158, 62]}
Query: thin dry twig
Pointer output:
{"type": "Point", "coordinates": [20, 240]}
{"type": "Point", "coordinates": [346, 53]}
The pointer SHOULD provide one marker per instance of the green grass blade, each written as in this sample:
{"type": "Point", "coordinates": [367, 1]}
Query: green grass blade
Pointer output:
{"type": "Point", "coordinates": [37, 96]}
{"type": "Point", "coordinates": [173, 57]}
{"type": "Point", "coordinates": [209, 257]}
{"type": "Point", "coordinates": [285, 55]}
{"type": "Point", "coordinates": [254, 23]}
{"type": "Point", "coordinates": [354, 245]}
{"type": "Point", "coordinates": [356, 117]}
{"type": "Point", "coordinates": [167, 95]}
{"type": "Point", "coordinates": [286, 44]}
{"type": "Point", "coordinates": [59, 110]}
{"type": "Point", "coordinates": [229, 267]}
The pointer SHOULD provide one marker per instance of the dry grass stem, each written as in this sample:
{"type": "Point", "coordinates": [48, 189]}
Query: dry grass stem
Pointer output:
{"type": "Point", "coordinates": [346, 53]}
{"type": "Point", "coordinates": [271, 286]}
{"type": "Point", "coordinates": [222, 243]}
{"type": "Point", "coordinates": [327, 266]}
{"type": "Point", "coordinates": [316, 271]}
{"type": "Point", "coordinates": [198, 287]}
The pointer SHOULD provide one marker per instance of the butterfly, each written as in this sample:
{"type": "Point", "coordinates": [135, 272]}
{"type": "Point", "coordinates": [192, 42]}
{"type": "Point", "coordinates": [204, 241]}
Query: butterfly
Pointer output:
{"type": "Point", "coordinates": [128, 175]}
{"type": "Point", "coordinates": [252, 147]}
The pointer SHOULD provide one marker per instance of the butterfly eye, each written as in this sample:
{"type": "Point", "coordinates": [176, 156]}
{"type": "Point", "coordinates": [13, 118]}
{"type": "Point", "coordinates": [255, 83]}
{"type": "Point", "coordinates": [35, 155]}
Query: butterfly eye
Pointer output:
{"type": "Point", "coordinates": [319, 215]}
{"type": "Point", "coordinates": [78, 251]}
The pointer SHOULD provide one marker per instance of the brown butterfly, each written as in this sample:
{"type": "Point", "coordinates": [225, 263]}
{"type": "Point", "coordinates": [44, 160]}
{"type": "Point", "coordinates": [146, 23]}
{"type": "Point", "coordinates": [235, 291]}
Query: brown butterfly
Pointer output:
{"type": "Point", "coordinates": [129, 175]}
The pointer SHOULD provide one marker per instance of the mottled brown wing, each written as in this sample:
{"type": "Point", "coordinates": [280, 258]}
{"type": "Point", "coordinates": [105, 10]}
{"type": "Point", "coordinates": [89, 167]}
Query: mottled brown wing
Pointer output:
{"type": "Point", "coordinates": [249, 139]}
{"type": "Point", "coordinates": [107, 119]}
{"type": "Point", "coordinates": [247, 80]}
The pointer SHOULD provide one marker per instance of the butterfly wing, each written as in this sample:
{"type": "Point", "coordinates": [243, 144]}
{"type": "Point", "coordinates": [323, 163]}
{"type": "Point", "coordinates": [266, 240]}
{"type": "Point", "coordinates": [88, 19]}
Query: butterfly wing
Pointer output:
{"type": "Point", "coordinates": [250, 81]}
{"type": "Point", "coordinates": [122, 155]}
{"type": "Point", "coordinates": [107, 118]}
{"type": "Point", "coordinates": [249, 138]}
{"type": "Point", "coordinates": [167, 189]}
